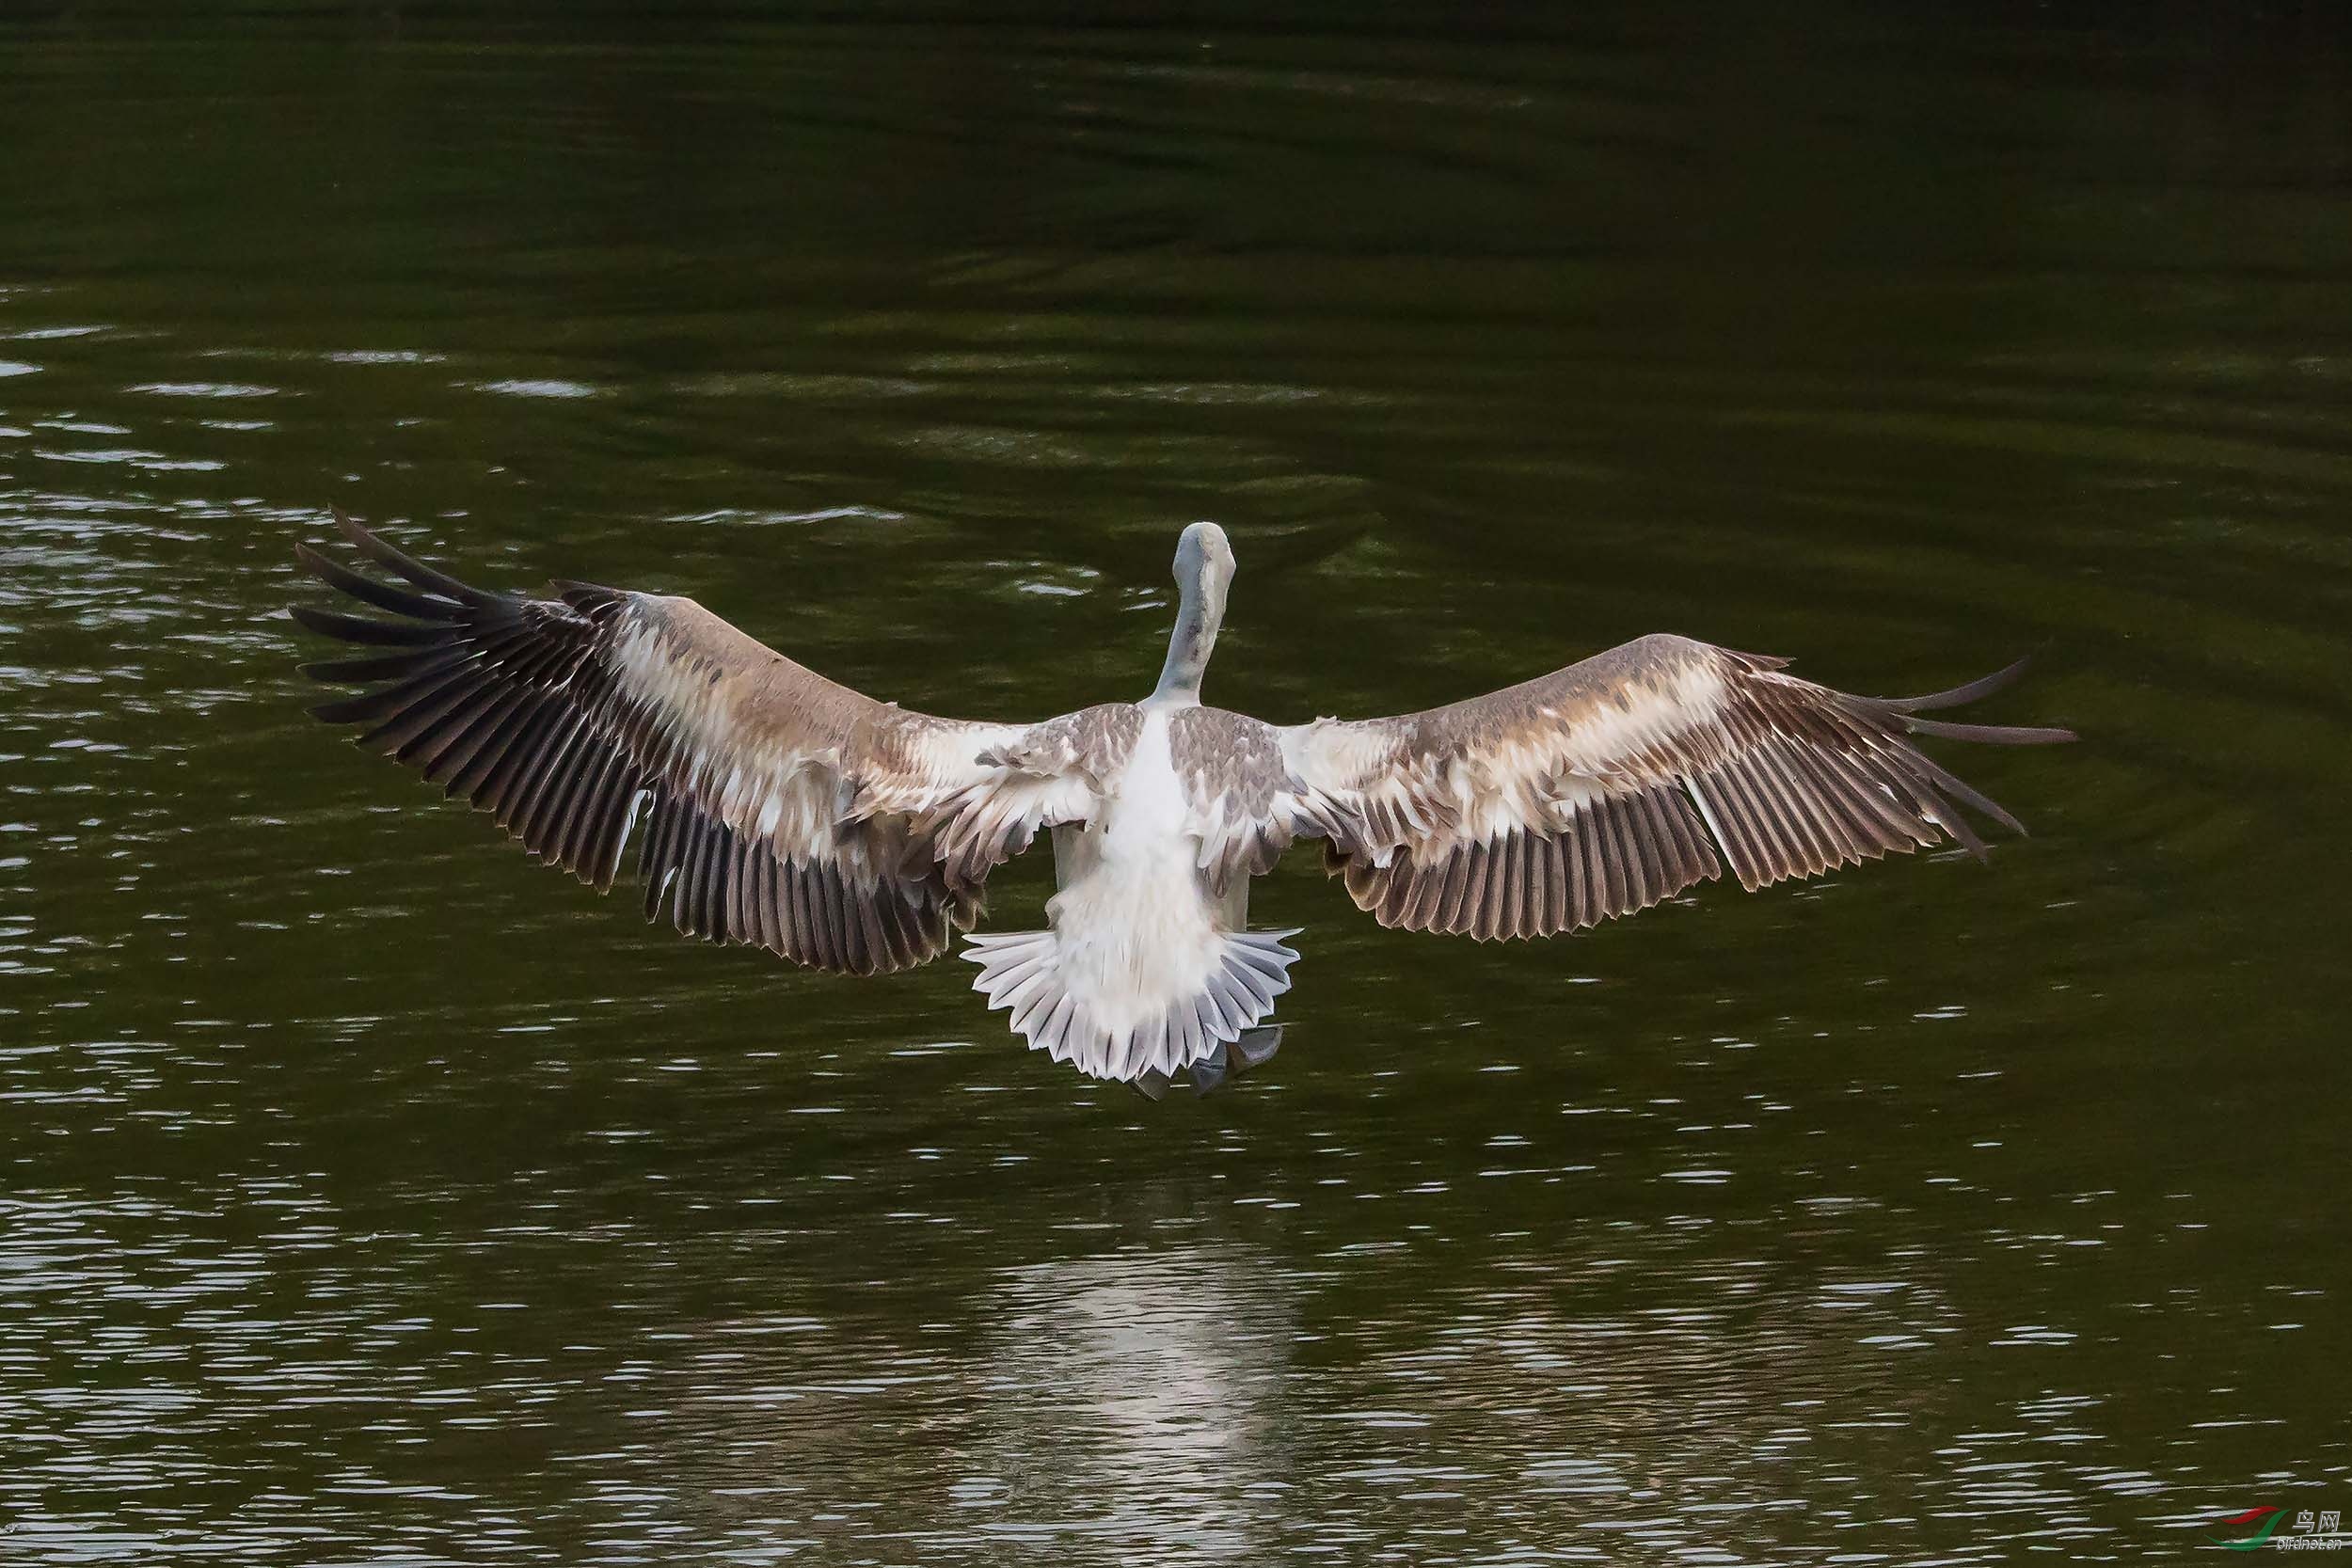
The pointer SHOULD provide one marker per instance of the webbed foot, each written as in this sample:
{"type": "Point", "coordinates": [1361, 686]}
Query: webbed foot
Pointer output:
{"type": "Point", "coordinates": [1255, 1048]}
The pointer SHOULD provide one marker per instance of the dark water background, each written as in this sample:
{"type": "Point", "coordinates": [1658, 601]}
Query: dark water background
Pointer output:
{"type": "Point", "coordinates": [370, 1196]}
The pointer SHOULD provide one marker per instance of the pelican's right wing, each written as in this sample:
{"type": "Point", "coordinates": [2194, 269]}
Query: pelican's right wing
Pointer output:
{"type": "Point", "coordinates": [774, 807]}
{"type": "Point", "coordinates": [1601, 788]}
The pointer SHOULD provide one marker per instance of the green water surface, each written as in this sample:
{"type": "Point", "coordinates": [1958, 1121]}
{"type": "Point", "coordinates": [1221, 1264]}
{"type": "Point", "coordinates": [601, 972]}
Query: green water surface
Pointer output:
{"type": "Point", "coordinates": [369, 1196]}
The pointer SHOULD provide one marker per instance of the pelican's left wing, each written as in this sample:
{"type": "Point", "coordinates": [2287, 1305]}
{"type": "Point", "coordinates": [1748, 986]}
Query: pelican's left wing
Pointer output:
{"type": "Point", "coordinates": [1604, 787]}
{"type": "Point", "coordinates": [773, 806]}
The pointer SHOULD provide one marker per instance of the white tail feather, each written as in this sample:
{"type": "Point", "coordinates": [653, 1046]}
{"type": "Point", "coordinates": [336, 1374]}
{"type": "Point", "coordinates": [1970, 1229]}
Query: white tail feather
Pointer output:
{"type": "Point", "coordinates": [1022, 972]}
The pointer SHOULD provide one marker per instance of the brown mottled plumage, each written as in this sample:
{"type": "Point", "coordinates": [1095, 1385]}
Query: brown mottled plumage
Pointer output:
{"type": "Point", "coordinates": [777, 808]}
{"type": "Point", "coordinates": [771, 806]}
{"type": "Point", "coordinates": [1604, 787]}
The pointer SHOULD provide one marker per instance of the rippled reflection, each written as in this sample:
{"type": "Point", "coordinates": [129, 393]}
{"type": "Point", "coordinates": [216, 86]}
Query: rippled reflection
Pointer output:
{"type": "Point", "coordinates": [1137, 1396]}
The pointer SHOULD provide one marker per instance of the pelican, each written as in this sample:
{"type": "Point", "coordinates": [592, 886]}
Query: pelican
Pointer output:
{"type": "Point", "coordinates": [775, 808]}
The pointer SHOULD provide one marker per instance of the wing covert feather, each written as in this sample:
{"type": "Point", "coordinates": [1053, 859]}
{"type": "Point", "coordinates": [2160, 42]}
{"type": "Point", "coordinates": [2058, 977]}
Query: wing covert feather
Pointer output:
{"type": "Point", "coordinates": [771, 806]}
{"type": "Point", "coordinates": [1605, 788]}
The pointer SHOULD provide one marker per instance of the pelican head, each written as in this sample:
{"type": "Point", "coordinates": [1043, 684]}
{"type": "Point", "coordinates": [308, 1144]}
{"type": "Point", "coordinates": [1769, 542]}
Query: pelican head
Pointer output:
{"type": "Point", "coordinates": [1204, 567]}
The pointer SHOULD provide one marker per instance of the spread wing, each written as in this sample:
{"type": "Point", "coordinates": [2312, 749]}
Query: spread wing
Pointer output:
{"type": "Point", "coordinates": [1604, 787]}
{"type": "Point", "coordinates": [771, 805]}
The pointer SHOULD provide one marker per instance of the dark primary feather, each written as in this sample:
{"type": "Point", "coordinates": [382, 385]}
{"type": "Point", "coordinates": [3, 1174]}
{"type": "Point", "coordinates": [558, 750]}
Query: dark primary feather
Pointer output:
{"type": "Point", "coordinates": [513, 704]}
{"type": "Point", "coordinates": [1779, 778]}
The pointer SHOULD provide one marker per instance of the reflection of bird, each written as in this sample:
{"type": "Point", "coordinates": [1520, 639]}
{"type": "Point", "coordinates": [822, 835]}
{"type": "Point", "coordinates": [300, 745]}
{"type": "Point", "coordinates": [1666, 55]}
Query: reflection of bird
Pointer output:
{"type": "Point", "coordinates": [776, 808]}
{"type": "Point", "coordinates": [1134, 1388]}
